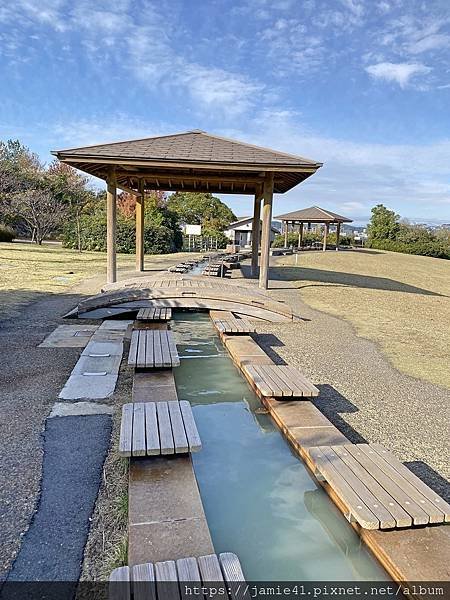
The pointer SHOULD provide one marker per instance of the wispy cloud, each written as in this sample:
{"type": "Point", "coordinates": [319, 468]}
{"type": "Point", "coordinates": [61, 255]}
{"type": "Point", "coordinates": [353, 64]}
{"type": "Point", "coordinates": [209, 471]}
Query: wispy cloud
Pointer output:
{"type": "Point", "coordinates": [400, 73]}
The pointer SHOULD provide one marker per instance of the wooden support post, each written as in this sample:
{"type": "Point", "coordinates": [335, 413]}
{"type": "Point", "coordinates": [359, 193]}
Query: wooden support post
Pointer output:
{"type": "Point", "coordinates": [256, 226]}
{"type": "Point", "coordinates": [111, 219]}
{"type": "Point", "coordinates": [300, 235]}
{"type": "Point", "coordinates": [338, 235]}
{"type": "Point", "coordinates": [266, 229]}
{"type": "Point", "coordinates": [140, 205]}
{"type": "Point", "coordinates": [325, 236]}
{"type": "Point", "coordinates": [286, 223]}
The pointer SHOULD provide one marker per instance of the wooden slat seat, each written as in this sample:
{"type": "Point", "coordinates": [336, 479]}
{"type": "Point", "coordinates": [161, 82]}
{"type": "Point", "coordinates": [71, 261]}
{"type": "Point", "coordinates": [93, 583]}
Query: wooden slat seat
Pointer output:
{"type": "Point", "coordinates": [152, 580]}
{"type": "Point", "coordinates": [231, 325]}
{"type": "Point", "coordinates": [279, 381]}
{"type": "Point", "coordinates": [154, 314]}
{"type": "Point", "coordinates": [376, 489]}
{"type": "Point", "coordinates": [156, 428]}
{"type": "Point", "coordinates": [153, 349]}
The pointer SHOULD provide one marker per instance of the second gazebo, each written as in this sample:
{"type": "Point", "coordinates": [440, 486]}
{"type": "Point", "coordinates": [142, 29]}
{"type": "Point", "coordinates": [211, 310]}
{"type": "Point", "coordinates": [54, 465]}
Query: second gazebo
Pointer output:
{"type": "Point", "coordinates": [314, 214]}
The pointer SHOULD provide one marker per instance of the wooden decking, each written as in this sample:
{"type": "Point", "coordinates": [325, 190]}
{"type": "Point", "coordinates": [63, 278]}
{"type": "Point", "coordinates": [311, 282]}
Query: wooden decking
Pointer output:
{"type": "Point", "coordinates": [378, 491]}
{"type": "Point", "coordinates": [155, 428]}
{"type": "Point", "coordinates": [231, 325]}
{"type": "Point", "coordinates": [150, 580]}
{"type": "Point", "coordinates": [154, 314]}
{"type": "Point", "coordinates": [153, 349]}
{"type": "Point", "coordinates": [279, 381]}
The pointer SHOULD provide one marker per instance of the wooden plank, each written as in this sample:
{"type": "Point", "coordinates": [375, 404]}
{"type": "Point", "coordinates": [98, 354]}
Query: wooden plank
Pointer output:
{"type": "Point", "coordinates": [435, 515]}
{"type": "Point", "coordinates": [402, 518]}
{"type": "Point", "coordinates": [153, 446]}
{"type": "Point", "coordinates": [418, 515]}
{"type": "Point", "coordinates": [188, 571]}
{"type": "Point", "coordinates": [175, 359]}
{"type": "Point", "coordinates": [141, 357]}
{"type": "Point", "coordinates": [165, 349]}
{"type": "Point", "coordinates": [178, 432]}
{"type": "Point", "coordinates": [132, 354]}
{"type": "Point", "coordinates": [119, 584]}
{"type": "Point", "coordinates": [126, 430]}
{"type": "Point", "coordinates": [421, 486]}
{"type": "Point", "coordinates": [383, 515]}
{"type": "Point", "coordinates": [144, 587]}
{"type": "Point", "coordinates": [209, 567]}
{"type": "Point", "coordinates": [165, 430]}
{"type": "Point", "coordinates": [167, 580]}
{"type": "Point", "coordinates": [258, 381]}
{"type": "Point", "coordinates": [138, 443]}
{"type": "Point", "coordinates": [190, 427]}
{"type": "Point", "coordinates": [157, 349]}
{"type": "Point", "coordinates": [231, 567]}
{"type": "Point", "coordinates": [357, 510]}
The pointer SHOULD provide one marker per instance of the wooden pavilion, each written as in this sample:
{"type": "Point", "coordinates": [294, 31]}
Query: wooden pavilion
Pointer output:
{"type": "Point", "coordinates": [313, 214]}
{"type": "Point", "coordinates": [191, 161]}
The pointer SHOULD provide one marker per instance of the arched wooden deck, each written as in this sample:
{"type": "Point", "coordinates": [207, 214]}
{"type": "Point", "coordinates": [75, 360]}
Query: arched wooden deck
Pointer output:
{"type": "Point", "coordinates": [184, 292]}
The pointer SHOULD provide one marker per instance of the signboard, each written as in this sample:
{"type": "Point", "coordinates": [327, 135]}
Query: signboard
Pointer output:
{"type": "Point", "coordinates": [193, 229]}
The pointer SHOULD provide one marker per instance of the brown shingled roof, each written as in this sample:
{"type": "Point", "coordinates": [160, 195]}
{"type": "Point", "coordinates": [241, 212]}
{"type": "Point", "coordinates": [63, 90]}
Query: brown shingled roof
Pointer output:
{"type": "Point", "coordinates": [190, 161]}
{"type": "Point", "coordinates": [314, 214]}
{"type": "Point", "coordinates": [190, 146]}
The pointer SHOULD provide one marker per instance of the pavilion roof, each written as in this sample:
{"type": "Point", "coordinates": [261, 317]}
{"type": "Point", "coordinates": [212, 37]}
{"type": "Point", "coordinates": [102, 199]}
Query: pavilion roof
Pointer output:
{"type": "Point", "coordinates": [191, 161]}
{"type": "Point", "coordinates": [314, 214]}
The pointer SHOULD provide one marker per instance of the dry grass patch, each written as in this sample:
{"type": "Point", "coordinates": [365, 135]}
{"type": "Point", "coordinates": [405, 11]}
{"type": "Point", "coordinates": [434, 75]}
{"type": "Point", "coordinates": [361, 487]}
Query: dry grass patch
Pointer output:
{"type": "Point", "coordinates": [400, 301]}
{"type": "Point", "coordinates": [27, 271]}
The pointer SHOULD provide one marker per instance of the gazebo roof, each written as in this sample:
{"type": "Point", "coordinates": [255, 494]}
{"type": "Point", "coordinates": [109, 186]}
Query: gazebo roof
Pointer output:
{"type": "Point", "coordinates": [314, 214]}
{"type": "Point", "coordinates": [190, 161]}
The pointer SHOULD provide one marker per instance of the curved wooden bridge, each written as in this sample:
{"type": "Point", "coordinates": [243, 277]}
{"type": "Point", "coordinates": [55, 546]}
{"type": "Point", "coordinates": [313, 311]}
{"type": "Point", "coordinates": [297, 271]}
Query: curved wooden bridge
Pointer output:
{"type": "Point", "coordinates": [183, 292]}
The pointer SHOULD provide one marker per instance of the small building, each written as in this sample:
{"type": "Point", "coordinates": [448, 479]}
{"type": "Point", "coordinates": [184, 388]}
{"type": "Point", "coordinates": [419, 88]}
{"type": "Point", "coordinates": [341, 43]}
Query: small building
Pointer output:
{"type": "Point", "coordinates": [240, 232]}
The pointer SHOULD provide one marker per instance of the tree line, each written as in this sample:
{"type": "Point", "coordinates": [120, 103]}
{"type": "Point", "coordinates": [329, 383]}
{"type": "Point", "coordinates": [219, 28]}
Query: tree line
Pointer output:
{"type": "Point", "coordinates": [387, 231]}
{"type": "Point", "coordinates": [55, 201]}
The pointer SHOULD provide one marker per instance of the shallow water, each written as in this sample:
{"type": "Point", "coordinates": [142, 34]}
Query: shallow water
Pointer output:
{"type": "Point", "coordinates": [259, 499]}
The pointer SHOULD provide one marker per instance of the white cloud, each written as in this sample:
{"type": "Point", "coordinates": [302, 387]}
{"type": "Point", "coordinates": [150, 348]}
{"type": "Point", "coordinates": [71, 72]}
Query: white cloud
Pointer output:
{"type": "Point", "coordinates": [400, 73]}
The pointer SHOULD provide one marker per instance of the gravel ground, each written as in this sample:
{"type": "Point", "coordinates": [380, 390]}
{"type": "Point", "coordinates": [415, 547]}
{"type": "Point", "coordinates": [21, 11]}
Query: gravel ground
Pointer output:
{"type": "Point", "coordinates": [361, 392]}
{"type": "Point", "coordinates": [30, 381]}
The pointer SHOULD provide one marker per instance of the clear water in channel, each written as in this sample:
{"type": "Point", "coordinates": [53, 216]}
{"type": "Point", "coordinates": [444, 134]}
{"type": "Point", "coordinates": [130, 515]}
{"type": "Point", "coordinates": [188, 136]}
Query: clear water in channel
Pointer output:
{"type": "Point", "coordinates": [259, 499]}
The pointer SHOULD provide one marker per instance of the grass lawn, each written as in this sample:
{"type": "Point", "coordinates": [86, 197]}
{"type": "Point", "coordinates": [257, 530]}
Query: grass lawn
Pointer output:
{"type": "Point", "coordinates": [400, 301]}
{"type": "Point", "coordinates": [27, 271]}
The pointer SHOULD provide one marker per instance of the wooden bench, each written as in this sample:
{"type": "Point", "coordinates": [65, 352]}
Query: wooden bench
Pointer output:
{"type": "Point", "coordinates": [376, 489]}
{"type": "Point", "coordinates": [153, 349]}
{"type": "Point", "coordinates": [155, 428]}
{"type": "Point", "coordinates": [232, 325]}
{"type": "Point", "coordinates": [279, 381]}
{"type": "Point", "coordinates": [154, 314]}
{"type": "Point", "coordinates": [150, 580]}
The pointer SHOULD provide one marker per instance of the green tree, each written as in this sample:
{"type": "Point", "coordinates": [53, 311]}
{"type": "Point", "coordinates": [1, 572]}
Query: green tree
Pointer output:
{"type": "Point", "coordinates": [384, 223]}
{"type": "Point", "coordinates": [201, 209]}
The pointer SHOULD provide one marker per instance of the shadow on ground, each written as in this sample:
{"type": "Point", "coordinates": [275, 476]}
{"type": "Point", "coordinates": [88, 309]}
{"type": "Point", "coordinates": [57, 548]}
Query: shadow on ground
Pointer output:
{"type": "Point", "coordinates": [435, 481]}
{"type": "Point", "coordinates": [345, 279]}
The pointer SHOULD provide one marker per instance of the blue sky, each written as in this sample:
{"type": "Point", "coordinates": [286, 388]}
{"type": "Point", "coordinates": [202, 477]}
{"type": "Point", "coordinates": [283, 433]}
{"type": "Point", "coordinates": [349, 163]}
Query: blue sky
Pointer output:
{"type": "Point", "coordinates": [362, 85]}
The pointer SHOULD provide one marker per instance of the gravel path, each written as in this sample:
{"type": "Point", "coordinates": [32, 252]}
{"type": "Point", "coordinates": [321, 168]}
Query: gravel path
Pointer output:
{"type": "Point", "coordinates": [361, 392]}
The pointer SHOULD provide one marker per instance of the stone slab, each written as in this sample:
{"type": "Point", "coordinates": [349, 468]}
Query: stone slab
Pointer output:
{"type": "Point", "coordinates": [79, 409]}
{"type": "Point", "coordinates": [168, 541]}
{"type": "Point", "coordinates": [97, 364]}
{"type": "Point", "coordinates": [69, 336]}
{"type": "Point", "coordinates": [113, 348]}
{"type": "Point", "coordinates": [166, 516]}
{"type": "Point", "coordinates": [91, 387]}
{"type": "Point", "coordinates": [154, 386]}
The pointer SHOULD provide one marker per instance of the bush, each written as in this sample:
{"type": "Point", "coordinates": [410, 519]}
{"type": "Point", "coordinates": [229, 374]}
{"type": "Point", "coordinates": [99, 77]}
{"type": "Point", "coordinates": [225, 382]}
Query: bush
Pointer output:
{"type": "Point", "coordinates": [158, 239]}
{"type": "Point", "coordinates": [7, 234]}
{"type": "Point", "coordinates": [435, 248]}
